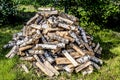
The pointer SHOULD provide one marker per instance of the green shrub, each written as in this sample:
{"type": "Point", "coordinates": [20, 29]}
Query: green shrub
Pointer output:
{"type": "Point", "coordinates": [7, 10]}
{"type": "Point", "coordinates": [98, 11]}
{"type": "Point", "coordinates": [94, 12]}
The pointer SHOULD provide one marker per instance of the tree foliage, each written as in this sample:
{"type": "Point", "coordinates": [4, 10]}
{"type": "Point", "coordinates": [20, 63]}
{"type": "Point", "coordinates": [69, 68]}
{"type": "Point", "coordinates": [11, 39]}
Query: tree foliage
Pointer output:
{"type": "Point", "coordinates": [7, 10]}
{"type": "Point", "coordinates": [101, 12]}
{"type": "Point", "coordinates": [98, 12]}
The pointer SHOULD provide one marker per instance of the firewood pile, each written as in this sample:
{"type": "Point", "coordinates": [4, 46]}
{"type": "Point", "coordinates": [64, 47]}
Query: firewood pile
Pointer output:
{"type": "Point", "coordinates": [53, 42]}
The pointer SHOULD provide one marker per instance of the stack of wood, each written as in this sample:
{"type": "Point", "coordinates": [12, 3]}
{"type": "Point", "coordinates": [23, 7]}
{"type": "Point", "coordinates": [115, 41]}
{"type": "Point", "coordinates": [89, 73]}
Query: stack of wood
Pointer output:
{"type": "Point", "coordinates": [54, 42]}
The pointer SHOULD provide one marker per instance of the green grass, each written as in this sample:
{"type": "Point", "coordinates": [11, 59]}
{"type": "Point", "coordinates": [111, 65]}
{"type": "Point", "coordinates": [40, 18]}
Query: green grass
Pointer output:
{"type": "Point", "coordinates": [109, 40]}
{"type": "Point", "coordinates": [7, 71]}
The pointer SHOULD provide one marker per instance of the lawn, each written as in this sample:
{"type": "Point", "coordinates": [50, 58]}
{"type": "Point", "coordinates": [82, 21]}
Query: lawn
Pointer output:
{"type": "Point", "coordinates": [108, 38]}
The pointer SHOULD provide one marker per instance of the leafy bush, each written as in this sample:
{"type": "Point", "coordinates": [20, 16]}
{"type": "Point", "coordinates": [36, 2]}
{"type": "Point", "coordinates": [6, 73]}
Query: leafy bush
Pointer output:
{"type": "Point", "coordinates": [94, 12]}
{"type": "Point", "coordinates": [99, 12]}
{"type": "Point", "coordinates": [7, 10]}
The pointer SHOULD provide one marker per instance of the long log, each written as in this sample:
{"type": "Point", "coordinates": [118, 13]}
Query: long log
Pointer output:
{"type": "Point", "coordinates": [49, 57]}
{"type": "Point", "coordinates": [45, 31]}
{"type": "Point", "coordinates": [32, 19]}
{"type": "Point", "coordinates": [96, 48]}
{"type": "Point", "coordinates": [68, 69]}
{"type": "Point", "coordinates": [64, 26]}
{"type": "Point", "coordinates": [56, 50]}
{"type": "Point", "coordinates": [46, 9]}
{"type": "Point", "coordinates": [48, 65]}
{"type": "Point", "coordinates": [75, 54]}
{"type": "Point", "coordinates": [48, 13]}
{"type": "Point", "coordinates": [70, 17]}
{"type": "Point", "coordinates": [83, 59]}
{"type": "Point", "coordinates": [81, 67]}
{"type": "Point", "coordinates": [69, 57]}
{"type": "Point", "coordinates": [25, 48]}
{"type": "Point", "coordinates": [77, 49]}
{"type": "Point", "coordinates": [62, 60]}
{"type": "Point", "coordinates": [87, 70]}
{"type": "Point", "coordinates": [25, 68]}
{"type": "Point", "coordinates": [62, 33]}
{"type": "Point", "coordinates": [72, 34]}
{"type": "Point", "coordinates": [12, 52]}
{"type": "Point", "coordinates": [32, 52]}
{"type": "Point", "coordinates": [66, 20]}
{"type": "Point", "coordinates": [69, 38]}
{"type": "Point", "coordinates": [27, 58]}
{"type": "Point", "coordinates": [43, 67]}
{"type": "Point", "coordinates": [58, 38]}
{"type": "Point", "coordinates": [96, 60]}
{"type": "Point", "coordinates": [45, 46]}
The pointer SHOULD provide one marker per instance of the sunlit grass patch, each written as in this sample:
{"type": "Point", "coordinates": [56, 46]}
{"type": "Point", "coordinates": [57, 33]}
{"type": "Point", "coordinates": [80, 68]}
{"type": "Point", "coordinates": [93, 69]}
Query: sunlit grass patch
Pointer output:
{"type": "Point", "coordinates": [6, 69]}
{"type": "Point", "coordinates": [27, 8]}
{"type": "Point", "coordinates": [116, 50]}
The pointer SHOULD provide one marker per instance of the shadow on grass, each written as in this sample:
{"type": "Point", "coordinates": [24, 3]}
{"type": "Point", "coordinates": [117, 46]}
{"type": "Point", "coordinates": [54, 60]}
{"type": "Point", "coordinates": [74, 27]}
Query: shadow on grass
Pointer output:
{"type": "Point", "coordinates": [7, 30]}
{"type": "Point", "coordinates": [6, 33]}
{"type": "Point", "coordinates": [106, 46]}
{"type": "Point", "coordinates": [113, 21]}
{"type": "Point", "coordinates": [5, 37]}
{"type": "Point", "coordinates": [21, 18]}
